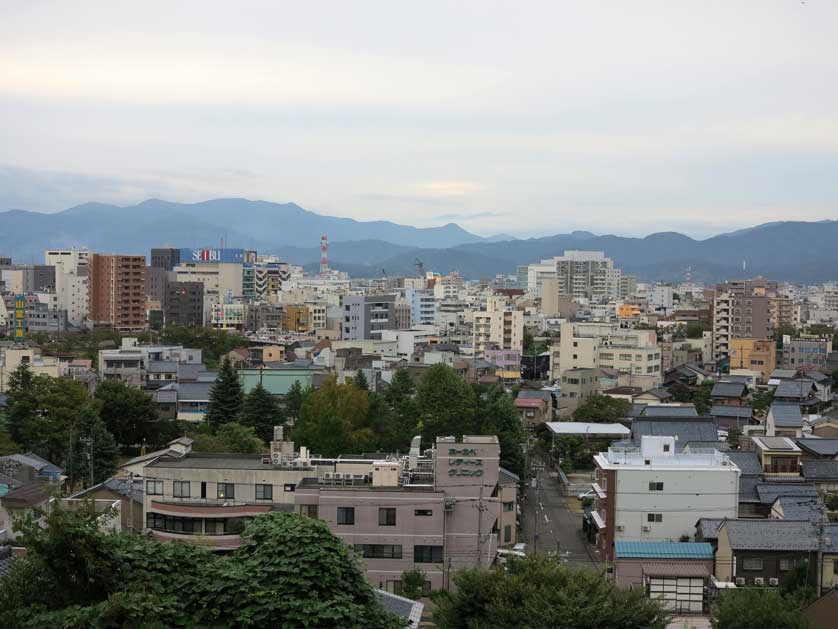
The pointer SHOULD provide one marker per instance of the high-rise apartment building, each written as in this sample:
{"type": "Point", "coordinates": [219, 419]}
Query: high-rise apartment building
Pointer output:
{"type": "Point", "coordinates": [117, 291]}
{"type": "Point", "coordinates": [184, 303]}
{"type": "Point", "coordinates": [222, 281]}
{"type": "Point", "coordinates": [365, 316]}
{"type": "Point", "coordinates": [166, 258]}
{"type": "Point", "coordinates": [498, 327]}
{"type": "Point", "coordinates": [580, 275]}
{"type": "Point", "coordinates": [71, 283]}
{"type": "Point", "coordinates": [743, 309]}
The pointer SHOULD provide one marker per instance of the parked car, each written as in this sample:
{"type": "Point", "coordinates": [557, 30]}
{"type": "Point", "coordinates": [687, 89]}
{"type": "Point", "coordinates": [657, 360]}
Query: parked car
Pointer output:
{"type": "Point", "coordinates": [587, 494]}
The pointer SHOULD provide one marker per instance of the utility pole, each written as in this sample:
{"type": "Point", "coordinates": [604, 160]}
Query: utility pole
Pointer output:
{"type": "Point", "coordinates": [822, 522]}
{"type": "Point", "coordinates": [480, 509]}
{"type": "Point", "coordinates": [131, 501]}
{"type": "Point", "coordinates": [88, 441]}
{"type": "Point", "coordinates": [537, 467]}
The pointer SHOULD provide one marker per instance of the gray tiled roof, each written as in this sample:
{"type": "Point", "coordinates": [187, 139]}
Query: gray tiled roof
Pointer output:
{"type": "Point", "coordinates": [738, 412]}
{"type": "Point", "coordinates": [404, 607]}
{"type": "Point", "coordinates": [162, 366]}
{"type": "Point", "coordinates": [817, 376]}
{"type": "Point", "coordinates": [685, 430]}
{"type": "Point", "coordinates": [768, 492]}
{"type": "Point", "coordinates": [653, 410]}
{"type": "Point", "coordinates": [781, 374]}
{"type": "Point", "coordinates": [707, 528]}
{"type": "Point", "coordinates": [747, 462]}
{"type": "Point", "coordinates": [772, 535]}
{"type": "Point", "coordinates": [795, 389]}
{"type": "Point", "coordinates": [748, 489]}
{"type": "Point", "coordinates": [660, 393]}
{"type": "Point", "coordinates": [820, 469]}
{"type": "Point", "coordinates": [729, 390]}
{"type": "Point", "coordinates": [194, 391]}
{"type": "Point", "coordinates": [507, 477]}
{"type": "Point", "coordinates": [787, 415]}
{"type": "Point", "coordinates": [529, 394]}
{"type": "Point", "coordinates": [821, 447]}
{"type": "Point", "coordinates": [798, 508]}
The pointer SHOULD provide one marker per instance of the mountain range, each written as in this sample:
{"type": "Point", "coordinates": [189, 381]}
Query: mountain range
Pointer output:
{"type": "Point", "coordinates": [788, 250]}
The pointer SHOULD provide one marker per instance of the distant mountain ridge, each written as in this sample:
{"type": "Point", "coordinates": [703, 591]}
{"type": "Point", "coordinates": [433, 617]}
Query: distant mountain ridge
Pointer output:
{"type": "Point", "coordinates": [796, 251]}
{"type": "Point", "coordinates": [259, 225]}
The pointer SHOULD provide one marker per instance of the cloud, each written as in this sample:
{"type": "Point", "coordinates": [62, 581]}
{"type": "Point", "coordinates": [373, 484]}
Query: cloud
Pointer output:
{"type": "Point", "coordinates": [448, 188]}
{"type": "Point", "coordinates": [454, 216]}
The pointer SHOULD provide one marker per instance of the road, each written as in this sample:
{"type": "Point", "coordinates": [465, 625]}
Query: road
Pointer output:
{"type": "Point", "coordinates": [557, 520]}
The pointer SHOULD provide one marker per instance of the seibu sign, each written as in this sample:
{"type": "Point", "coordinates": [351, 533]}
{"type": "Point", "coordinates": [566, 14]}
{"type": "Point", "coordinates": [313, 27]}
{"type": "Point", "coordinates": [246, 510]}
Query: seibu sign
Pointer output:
{"type": "Point", "coordinates": [212, 255]}
{"type": "Point", "coordinates": [464, 465]}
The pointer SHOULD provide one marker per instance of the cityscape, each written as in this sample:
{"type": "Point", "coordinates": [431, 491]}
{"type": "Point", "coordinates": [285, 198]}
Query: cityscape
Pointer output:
{"type": "Point", "coordinates": [373, 316]}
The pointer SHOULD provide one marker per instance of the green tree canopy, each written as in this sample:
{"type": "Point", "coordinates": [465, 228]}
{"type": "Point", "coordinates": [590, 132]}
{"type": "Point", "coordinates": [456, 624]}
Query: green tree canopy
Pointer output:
{"type": "Point", "coordinates": [539, 593]}
{"type": "Point", "coordinates": [290, 572]}
{"type": "Point", "coordinates": [360, 380]}
{"type": "Point", "coordinates": [447, 404]}
{"type": "Point", "coordinates": [214, 344]}
{"type": "Point", "coordinates": [23, 402]}
{"type": "Point", "coordinates": [496, 415]}
{"type": "Point", "coordinates": [602, 409]}
{"type": "Point", "coordinates": [294, 400]}
{"type": "Point", "coordinates": [130, 415]}
{"type": "Point", "coordinates": [226, 396]}
{"type": "Point", "coordinates": [262, 412]}
{"type": "Point", "coordinates": [230, 437]}
{"type": "Point", "coordinates": [94, 454]}
{"type": "Point", "coordinates": [756, 608]}
{"type": "Point", "coordinates": [334, 419]}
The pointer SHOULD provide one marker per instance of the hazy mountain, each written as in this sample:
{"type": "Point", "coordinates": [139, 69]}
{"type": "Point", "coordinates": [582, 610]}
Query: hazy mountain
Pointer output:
{"type": "Point", "coordinates": [256, 225]}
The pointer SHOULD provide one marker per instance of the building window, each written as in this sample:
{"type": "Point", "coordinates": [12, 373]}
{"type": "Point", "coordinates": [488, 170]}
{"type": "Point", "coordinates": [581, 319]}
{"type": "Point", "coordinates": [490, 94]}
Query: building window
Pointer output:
{"type": "Point", "coordinates": [666, 447]}
{"type": "Point", "coordinates": [180, 489]}
{"type": "Point", "coordinates": [154, 487]}
{"type": "Point", "coordinates": [752, 564]}
{"type": "Point", "coordinates": [654, 517]}
{"type": "Point", "coordinates": [387, 516]}
{"type": "Point", "coordinates": [655, 486]}
{"type": "Point", "coordinates": [346, 515]}
{"type": "Point", "coordinates": [379, 551]}
{"type": "Point", "coordinates": [264, 492]}
{"type": "Point", "coordinates": [423, 512]}
{"type": "Point", "coordinates": [310, 511]}
{"type": "Point", "coordinates": [427, 554]}
{"type": "Point", "coordinates": [289, 487]}
{"type": "Point", "coordinates": [226, 491]}
{"type": "Point", "coordinates": [508, 506]}
{"type": "Point", "coordinates": [507, 533]}
{"type": "Point", "coordinates": [786, 565]}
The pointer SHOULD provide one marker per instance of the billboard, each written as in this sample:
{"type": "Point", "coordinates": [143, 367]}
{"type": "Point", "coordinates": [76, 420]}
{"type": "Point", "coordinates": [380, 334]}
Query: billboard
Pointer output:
{"type": "Point", "coordinates": [20, 317]}
{"type": "Point", "coordinates": [212, 255]}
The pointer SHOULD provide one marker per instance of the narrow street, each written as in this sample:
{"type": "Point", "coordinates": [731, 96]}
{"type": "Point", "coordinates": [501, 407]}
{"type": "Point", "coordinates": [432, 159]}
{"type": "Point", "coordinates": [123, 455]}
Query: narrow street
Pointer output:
{"type": "Point", "coordinates": [556, 520]}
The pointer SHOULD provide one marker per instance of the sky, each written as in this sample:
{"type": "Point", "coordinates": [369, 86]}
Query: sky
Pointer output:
{"type": "Point", "coordinates": [525, 118]}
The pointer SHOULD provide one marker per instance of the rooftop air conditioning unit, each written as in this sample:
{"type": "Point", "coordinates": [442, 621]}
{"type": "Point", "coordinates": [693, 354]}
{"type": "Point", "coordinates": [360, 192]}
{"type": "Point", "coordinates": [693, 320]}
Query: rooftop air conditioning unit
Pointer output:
{"type": "Point", "coordinates": [740, 581]}
{"type": "Point", "coordinates": [759, 581]}
{"type": "Point", "coordinates": [327, 476]}
{"type": "Point", "coordinates": [774, 581]}
{"type": "Point", "coordinates": [645, 529]}
{"type": "Point", "coordinates": [276, 458]}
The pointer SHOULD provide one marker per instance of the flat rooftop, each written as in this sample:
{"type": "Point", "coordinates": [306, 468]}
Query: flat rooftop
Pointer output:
{"type": "Point", "coordinates": [633, 457]}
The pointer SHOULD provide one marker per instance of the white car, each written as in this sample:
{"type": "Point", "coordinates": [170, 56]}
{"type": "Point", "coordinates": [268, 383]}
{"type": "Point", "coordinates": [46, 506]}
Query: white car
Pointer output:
{"type": "Point", "coordinates": [587, 494]}
{"type": "Point", "coordinates": [520, 547]}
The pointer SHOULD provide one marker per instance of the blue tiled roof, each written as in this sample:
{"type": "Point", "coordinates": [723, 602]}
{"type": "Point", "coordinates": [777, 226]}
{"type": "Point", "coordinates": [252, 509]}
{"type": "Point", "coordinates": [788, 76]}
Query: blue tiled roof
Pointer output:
{"type": "Point", "coordinates": [664, 550]}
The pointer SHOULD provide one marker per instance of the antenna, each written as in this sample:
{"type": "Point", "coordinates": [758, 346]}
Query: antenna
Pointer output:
{"type": "Point", "coordinates": [324, 254]}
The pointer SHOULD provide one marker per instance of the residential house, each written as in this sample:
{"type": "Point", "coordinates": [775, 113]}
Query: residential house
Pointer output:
{"type": "Point", "coordinates": [784, 420]}
{"type": "Point", "coordinates": [825, 427]}
{"type": "Point", "coordinates": [802, 392]}
{"type": "Point", "coordinates": [654, 396]}
{"type": "Point", "coordinates": [128, 493]}
{"type": "Point", "coordinates": [821, 448]}
{"type": "Point", "coordinates": [533, 410]}
{"type": "Point", "coordinates": [729, 416]}
{"type": "Point", "coordinates": [823, 474]}
{"type": "Point", "coordinates": [726, 393]}
{"type": "Point", "coordinates": [577, 385]}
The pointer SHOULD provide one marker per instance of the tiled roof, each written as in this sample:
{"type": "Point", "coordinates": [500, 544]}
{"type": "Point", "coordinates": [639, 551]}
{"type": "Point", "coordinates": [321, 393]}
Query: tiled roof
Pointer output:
{"type": "Point", "coordinates": [708, 528]}
{"type": "Point", "coordinates": [663, 550]}
{"type": "Point", "coordinates": [795, 389]}
{"type": "Point", "coordinates": [747, 462]}
{"type": "Point", "coordinates": [530, 394]}
{"type": "Point", "coordinates": [771, 535]}
{"type": "Point", "coordinates": [30, 495]}
{"type": "Point", "coordinates": [748, 489]}
{"type": "Point", "coordinates": [739, 412]}
{"type": "Point", "coordinates": [653, 410]}
{"type": "Point", "coordinates": [820, 469]}
{"type": "Point", "coordinates": [675, 569]}
{"type": "Point", "coordinates": [528, 402]}
{"type": "Point", "coordinates": [729, 390]}
{"type": "Point", "coordinates": [821, 447]}
{"type": "Point", "coordinates": [768, 492]}
{"type": "Point", "coordinates": [798, 508]}
{"type": "Point", "coordinates": [685, 430]}
{"type": "Point", "coordinates": [786, 415]}
{"type": "Point", "coordinates": [661, 394]}
{"type": "Point", "coordinates": [782, 374]}
{"type": "Point", "coordinates": [817, 376]}
{"type": "Point", "coordinates": [404, 607]}
{"type": "Point", "coordinates": [507, 477]}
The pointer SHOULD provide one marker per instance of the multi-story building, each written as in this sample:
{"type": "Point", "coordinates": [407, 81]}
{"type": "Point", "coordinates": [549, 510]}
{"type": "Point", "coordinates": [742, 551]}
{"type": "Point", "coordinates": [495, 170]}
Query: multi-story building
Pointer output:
{"type": "Point", "coordinates": [184, 303]}
{"type": "Point", "coordinates": [130, 361]}
{"type": "Point", "coordinates": [166, 258]}
{"type": "Point", "coordinates": [742, 309]}
{"type": "Point", "coordinates": [799, 352]}
{"type": "Point", "coordinates": [12, 355]}
{"type": "Point", "coordinates": [448, 287]}
{"type": "Point", "coordinates": [657, 494]}
{"type": "Point", "coordinates": [222, 281]}
{"type": "Point", "coordinates": [117, 291]}
{"type": "Point", "coordinates": [498, 327]}
{"type": "Point", "coordinates": [228, 316]}
{"type": "Point", "coordinates": [438, 511]}
{"type": "Point", "coordinates": [754, 355]}
{"type": "Point", "coordinates": [422, 306]}
{"type": "Point", "coordinates": [365, 316]}
{"type": "Point", "coordinates": [296, 318]}
{"type": "Point", "coordinates": [264, 279]}
{"type": "Point", "coordinates": [71, 282]}
{"type": "Point", "coordinates": [580, 275]}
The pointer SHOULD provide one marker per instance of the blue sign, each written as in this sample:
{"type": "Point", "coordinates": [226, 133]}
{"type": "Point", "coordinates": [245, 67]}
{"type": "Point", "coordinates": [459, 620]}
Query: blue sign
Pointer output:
{"type": "Point", "coordinates": [212, 255]}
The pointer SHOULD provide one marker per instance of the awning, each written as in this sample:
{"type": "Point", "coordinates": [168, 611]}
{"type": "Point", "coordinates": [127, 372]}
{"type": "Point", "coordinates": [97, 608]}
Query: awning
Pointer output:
{"type": "Point", "coordinates": [599, 491]}
{"type": "Point", "coordinates": [600, 523]}
{"type": "Point", "coordinates": [674, 569]}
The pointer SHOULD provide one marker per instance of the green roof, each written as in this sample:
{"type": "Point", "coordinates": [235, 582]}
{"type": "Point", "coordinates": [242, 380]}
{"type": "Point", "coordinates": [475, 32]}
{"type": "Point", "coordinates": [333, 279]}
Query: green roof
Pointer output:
{"type": "Point", "coordinates": [664, 550]}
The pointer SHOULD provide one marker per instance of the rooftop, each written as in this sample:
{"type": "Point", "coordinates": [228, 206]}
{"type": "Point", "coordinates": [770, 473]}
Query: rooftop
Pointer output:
{"type": "Point", "coordinates": [820, 447]}
{"type": "Point", "coordinates": [794, 389]}
{"type": "Point", "coordinates": [776, 444]}
{"type": "Point", "coordinates": [663, 550]}
{"type": "Point", "coordinates": [633, 457]}
{"type": "Point", "coordinates": [786, 415]}
{"type": "Point", "coordinates": [820, 470]}
{"type": "Point", "coordinates": [769, 492]}
{"type": "Point", "coordinates": [771, 535]}
{"type": "Point", "coordinates": [587, 428]}
{"type": "Point", "coordinates": [729, 390]}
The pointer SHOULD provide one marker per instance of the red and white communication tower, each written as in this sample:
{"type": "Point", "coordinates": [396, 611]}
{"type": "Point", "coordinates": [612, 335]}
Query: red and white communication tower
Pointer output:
{"type": "Point", "coordinates": [324, 254]}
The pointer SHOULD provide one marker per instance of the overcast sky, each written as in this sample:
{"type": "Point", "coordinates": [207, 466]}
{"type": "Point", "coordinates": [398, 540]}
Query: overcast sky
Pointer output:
{"type": "Point", "coordinates": [519, 117]}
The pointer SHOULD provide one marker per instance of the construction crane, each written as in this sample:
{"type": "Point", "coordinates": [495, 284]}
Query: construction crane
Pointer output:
{"type": "Point", "coordinates": [420, 268]}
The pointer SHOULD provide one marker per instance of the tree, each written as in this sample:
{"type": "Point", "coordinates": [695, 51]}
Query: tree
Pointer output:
{"type": "Point", "coordinates": [229, 438]}
{"type": "Point", "coordinates": [756, 608]}
{"type": "Point", "coordinates": [22, 401]}
{"type": "Point", "coordinates": [413, 583]}
{"type": "Point", "coordinates": [446, 404]}
{"type": "Point", "coordinates": [290, 572]}
{"type": "Point", "coordinates": [130, 415]}
{"type": "Point", "coordinates": [94, 454]}
{"type": "Point", "coordinates": [702, 397]}
{"type": "Point", "coordinates": [226, 396]}
{"type": "Point", "coordinates": [7, 444]}
{"type": "Point", "coordinates": [402, 412]}
{"type": "Point", "coordinates": [361, 381]}
{"type": "Point", "coordinates": [334, 419]}
{"type": "Point", "coordinates": [294, 400]}
{"type": "Point", "coordinates": [695, 330]}
{"type": "Point", "coordinates": [262, 412]}
{"type": "Point", "coordinates": [540, 593]}
{"type": "Point", "coordinates": [733, 435]}
{"type": "Point", "coordinates": [496, 415]}
{"type": "Point", "coordinates": [602, 409]}
{"type": "Point", "coordinates": [762, 402]}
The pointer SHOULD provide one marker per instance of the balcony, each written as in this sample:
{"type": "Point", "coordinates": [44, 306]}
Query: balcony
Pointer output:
{"type": "Point", "coordinates": [215, 542]}
{"type": "Point", "coordinates": [196, 507]}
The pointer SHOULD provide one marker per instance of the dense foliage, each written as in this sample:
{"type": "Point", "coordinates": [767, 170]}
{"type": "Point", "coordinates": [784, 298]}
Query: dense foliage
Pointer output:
{"type": "Point", "coordinates": [214, 344]}
{"type": "Point", "coordinates": [228, 438]}
{"type": "Point", "coordinates": [602, 409]}
{"type": "Point", "coordinates": [290, 572]}
{"type": "Point", "coordinates": [226, 396]}
{"type": "Point", "coordinates": [756, 608]}
{"type": "Point", "coordinates": [345, 418]}
{"type": "Point", "coordinates": [261, 411]}
{"type": "Point", "coordinates": [131, 416]}
{"type": "Point", "coordinates": [539, 593]}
